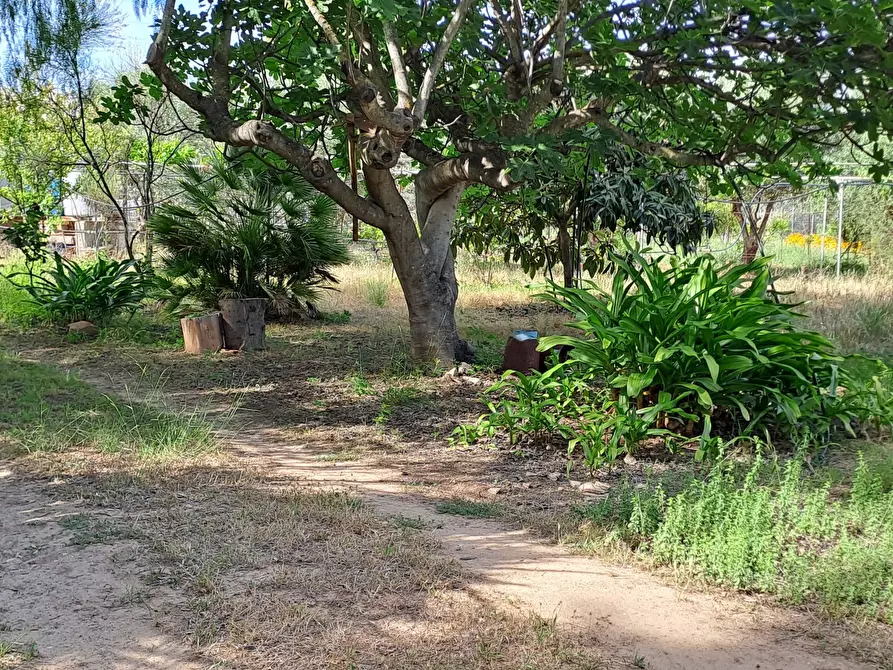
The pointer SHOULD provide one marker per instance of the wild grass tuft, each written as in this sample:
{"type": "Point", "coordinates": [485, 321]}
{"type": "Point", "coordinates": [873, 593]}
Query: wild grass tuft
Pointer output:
{"type": "Point", "coordinates": [470, 508]}
{"type": "Point", "coordinates": [45, 409]}
{"type": "Point", "coordinates": [376, 291]}
{"type": "Point", "coordinates": [16, 309]}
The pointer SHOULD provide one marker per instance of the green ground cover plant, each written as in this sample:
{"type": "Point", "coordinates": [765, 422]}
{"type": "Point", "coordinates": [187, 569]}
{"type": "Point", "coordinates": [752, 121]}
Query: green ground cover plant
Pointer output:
{"type": "Point", "coordinates": [768, 527]}
{"type": "Point", "coordinates": [67, 290]}
{"type": "Point", "coordinates": [684, 352]}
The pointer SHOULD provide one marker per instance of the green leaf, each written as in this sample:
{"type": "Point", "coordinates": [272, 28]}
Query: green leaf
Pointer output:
{"type": "Point", "coordinates": [713, 366]}
{"type": "Point", "coordinates": [638, 382]}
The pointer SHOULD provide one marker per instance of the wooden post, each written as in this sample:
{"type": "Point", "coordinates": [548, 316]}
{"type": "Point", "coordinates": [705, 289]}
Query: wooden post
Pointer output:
{"type": "Point", "coordinates": [243, 323]}
{"type": "Point", "coordinates": [202, 333]}
{"type": "Point", "coordinates": [839, 226]}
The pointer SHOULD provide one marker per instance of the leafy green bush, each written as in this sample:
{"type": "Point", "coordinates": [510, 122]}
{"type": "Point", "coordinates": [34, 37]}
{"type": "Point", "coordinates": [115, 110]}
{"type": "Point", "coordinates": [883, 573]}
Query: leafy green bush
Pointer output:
{"type": "Point", "coordinates": [92, 291]}
{"type": "Point", "coordinates": [26, 235]}
{"type": "Point", "coordinates": [246, 231]}
{"type": "Point", "coordinates": [676, 350]}
{"type": "Point", "coordinates": [770, 529]}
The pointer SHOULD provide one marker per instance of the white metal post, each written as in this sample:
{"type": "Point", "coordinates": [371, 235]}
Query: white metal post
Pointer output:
{"type": "Point", "coordinates": [824, 231]}
{"type": "Point", "coordinates": [840, 188]}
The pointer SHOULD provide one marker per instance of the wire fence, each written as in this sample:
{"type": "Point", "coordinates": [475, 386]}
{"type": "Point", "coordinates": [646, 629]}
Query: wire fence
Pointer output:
{"type": "Point", "coordinates": [847, 221]}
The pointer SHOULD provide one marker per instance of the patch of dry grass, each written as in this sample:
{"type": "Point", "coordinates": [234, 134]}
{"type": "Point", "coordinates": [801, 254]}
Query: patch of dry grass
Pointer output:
{"type": "Point", "coordinates": [271, 575]}
{"type": "Point", "coordinates": [854, 311]}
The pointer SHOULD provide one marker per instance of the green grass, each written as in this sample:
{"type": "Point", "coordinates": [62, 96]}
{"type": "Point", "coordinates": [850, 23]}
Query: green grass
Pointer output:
{"type": "Point", "coordinates": [489, 348]}
{"type": "Point", "coordinates": [771, 529]}
{"type": "Point", "coordinates": [376, 292]}
{"type": "Point", "coordinates": [155, 330]}
{"type": "Point", "coordinates": [43, 408]}
{"type": "Point", "coordinates": [470, 508]}
{"type": "Point", "coordinates": [86, 530]}
{"type": "Point", "coordinates": [409, 522]}
{"type": "Point", "coordinates": [17, 652]}
{"type": "Point", "coordinates": [16, 310]}
{"type": "Point", "coordinates": [396, 397]}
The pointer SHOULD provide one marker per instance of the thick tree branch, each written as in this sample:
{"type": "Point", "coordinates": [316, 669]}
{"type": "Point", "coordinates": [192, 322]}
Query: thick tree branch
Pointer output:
{"type": "Point", "coordinates": [383, 189]}
{"type": "Point", "coordinates": [370, 60]}
{"type": "Point", "coordinates": [218, 70]}
{"type": "Point", "coordinates": [404, 93]}
{"type": "Point", "coordinates": [560, 21]}
{"type": "Point", "coordinates": [439, 178]}
{"type": "Point", "coordinates": [332, 37]}
{"type": "Point", "coordinates": [222, 128]}
{"type": "Point", "coordinates": [437, 225]}
{"type": "Point", "coordinates": [514, 40]}
{"type": "Point", "coordinates": [365, 92]}
{"type": "Point", "coordinates": [155, 61]}
{"type": "Point", "coordinates": [316, 170]}
{"type": "Point", "coordinates": [549, 89]}
{"type": "Point", "coordinates": [418, 150]}
{"type": "Point", "coordinates": [449, 34]}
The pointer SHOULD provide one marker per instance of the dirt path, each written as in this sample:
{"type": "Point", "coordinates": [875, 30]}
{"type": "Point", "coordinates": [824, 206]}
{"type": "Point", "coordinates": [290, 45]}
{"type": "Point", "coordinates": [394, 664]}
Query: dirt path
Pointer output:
{"type": "Point", "coordinates": [621, 610]}
{"type": "Point", "coordinates": [624, 609]}
{"type": "Point", "coordinates": [64, 606]}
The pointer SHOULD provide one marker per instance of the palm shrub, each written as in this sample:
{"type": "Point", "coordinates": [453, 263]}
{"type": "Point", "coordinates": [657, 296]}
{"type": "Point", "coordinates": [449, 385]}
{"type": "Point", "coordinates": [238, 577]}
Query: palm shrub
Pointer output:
{"type": "Point", "coordinates": [94, 291]}
{"type": "Point", "coordinates": [246, 230]}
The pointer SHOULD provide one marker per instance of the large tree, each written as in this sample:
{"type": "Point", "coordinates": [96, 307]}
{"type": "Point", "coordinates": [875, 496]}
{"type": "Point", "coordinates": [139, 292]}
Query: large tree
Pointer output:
{"type": "Point", "coordinates": [467, 89]}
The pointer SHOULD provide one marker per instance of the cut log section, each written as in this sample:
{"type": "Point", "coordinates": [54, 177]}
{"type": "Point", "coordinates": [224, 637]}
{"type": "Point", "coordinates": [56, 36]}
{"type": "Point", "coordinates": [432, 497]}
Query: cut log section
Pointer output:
{"type": "Point", "coordinates": [243, 323]}
{"type": "Point", "coordinates": [202, 333]}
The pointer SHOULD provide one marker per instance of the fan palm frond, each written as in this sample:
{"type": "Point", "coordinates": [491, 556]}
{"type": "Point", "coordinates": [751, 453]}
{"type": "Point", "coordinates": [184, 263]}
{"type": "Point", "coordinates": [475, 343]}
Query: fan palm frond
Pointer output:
{"type": "Point", "coordinates": [243, 230]}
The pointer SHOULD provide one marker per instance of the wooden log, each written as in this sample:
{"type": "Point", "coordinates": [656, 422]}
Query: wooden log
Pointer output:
{"type": "Point", "coordinates": [202, 333]}
{"type": "Point", "coordinates": [243, 323]}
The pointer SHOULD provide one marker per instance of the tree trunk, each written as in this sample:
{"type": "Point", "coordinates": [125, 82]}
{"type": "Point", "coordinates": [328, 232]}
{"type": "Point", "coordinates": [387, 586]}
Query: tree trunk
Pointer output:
{"type": "Point", "coordinates": [431, 301]}
{"type": "Point", "coordinates": [754, 230]}
{"type": "Point", "coordinates": [751, 247]}
{"type": "Point", "coordinates": [243, 323]}
{"type": "Point", "coordinates": [432, 324]}
{"type": "Point", "coordinates": [426, 269]}
{"type": "Point", "coordinates": [566, 252]}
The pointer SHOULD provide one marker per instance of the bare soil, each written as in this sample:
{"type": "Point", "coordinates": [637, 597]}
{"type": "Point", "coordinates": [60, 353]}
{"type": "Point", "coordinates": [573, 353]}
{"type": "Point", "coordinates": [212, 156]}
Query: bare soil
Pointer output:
{"type": "Point", "coordinates": [629, 612]}
{"type": "Point", "coordinates": [65, 606]}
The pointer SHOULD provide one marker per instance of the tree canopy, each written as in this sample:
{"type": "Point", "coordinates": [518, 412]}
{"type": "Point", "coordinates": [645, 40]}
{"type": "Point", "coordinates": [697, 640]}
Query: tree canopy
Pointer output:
{"type": "Point", "coordinates": [473, 91]}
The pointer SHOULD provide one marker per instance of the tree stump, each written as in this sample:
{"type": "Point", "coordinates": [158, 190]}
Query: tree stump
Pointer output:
{"type": "Point", "coordinates": [243, 323]}
{"type": "Point", "coordinates": [202, 333]}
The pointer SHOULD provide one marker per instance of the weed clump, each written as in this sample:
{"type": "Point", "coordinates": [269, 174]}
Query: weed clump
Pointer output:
{"type": "Point", "coordinates": [769, 529]}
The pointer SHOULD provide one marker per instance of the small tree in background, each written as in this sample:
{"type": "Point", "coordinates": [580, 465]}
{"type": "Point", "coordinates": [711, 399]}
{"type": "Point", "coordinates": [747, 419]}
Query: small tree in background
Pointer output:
{"type": "Point", "coordinates": [35, 155]}
{"type": "Point", "coordinates": [245, 230]}
{"type": "Point", "coordinates": [569, 212]}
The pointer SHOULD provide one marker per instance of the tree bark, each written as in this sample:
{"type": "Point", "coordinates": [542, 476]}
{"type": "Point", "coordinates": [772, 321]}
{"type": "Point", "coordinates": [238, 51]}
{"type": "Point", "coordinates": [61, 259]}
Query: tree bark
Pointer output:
{"type": "Point", "coordinates": [751, 247]}
{"type": "Point", "coordinates": [202, 333]}
{"type": "Point", "coordinates": [754, 230]}
{"type": "Point", "coordinates": [566, 252]}
{"type": "Point", "coordinates": [426, 271]}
